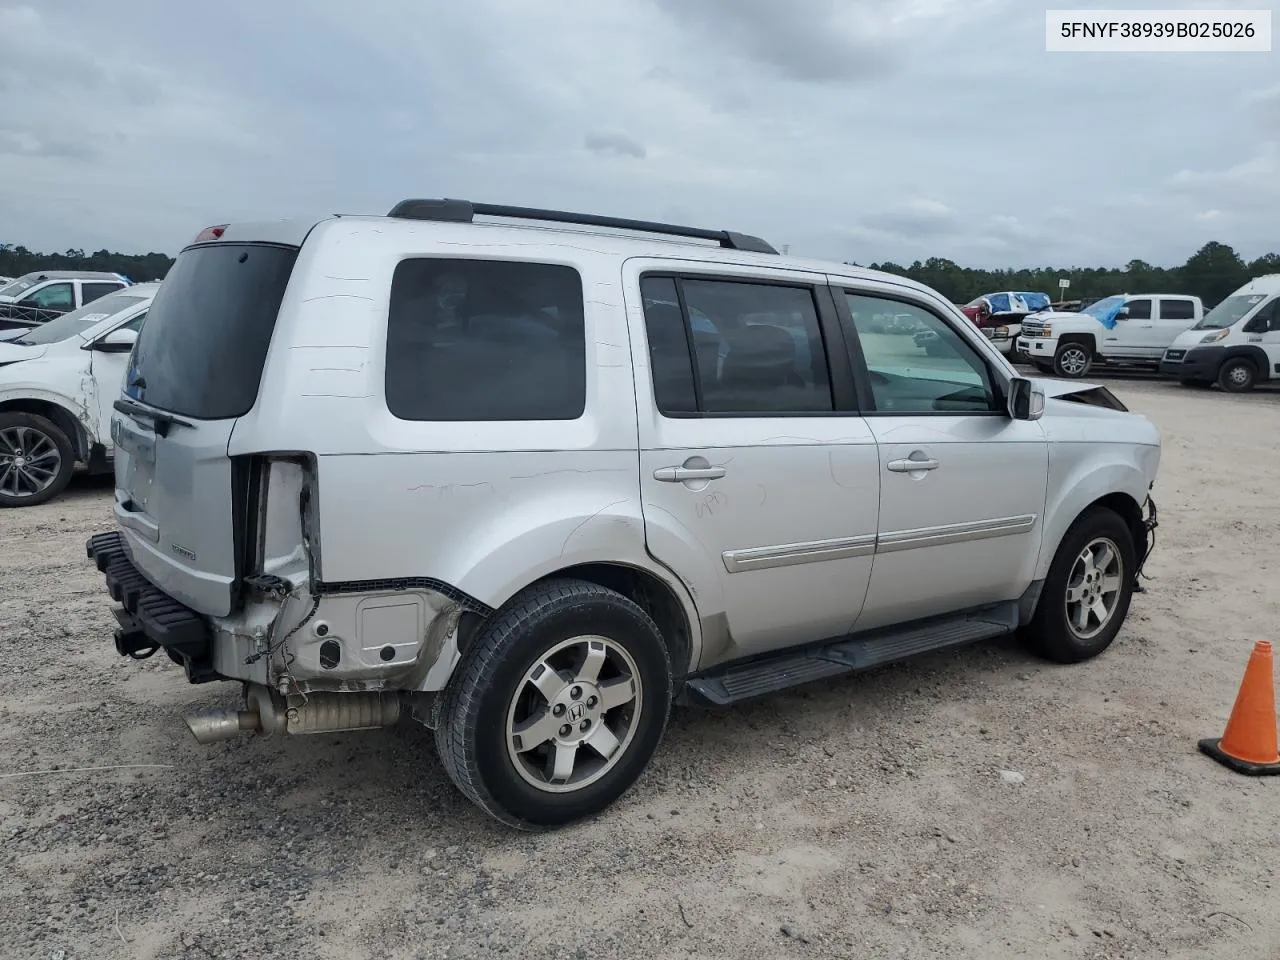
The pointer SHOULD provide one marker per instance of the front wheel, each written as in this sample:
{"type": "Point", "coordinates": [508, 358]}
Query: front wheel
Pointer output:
{"type": "Point", "coordinates": [556, 706]}
{"type": "Point", "coordinates": [36, 460]}
{"type": "Point", "coordinates": [1072, 360]}
{"type": "Point", "coordinates": [1087, 592]}
{"type": "Point", "coordinates": [1237, 376]}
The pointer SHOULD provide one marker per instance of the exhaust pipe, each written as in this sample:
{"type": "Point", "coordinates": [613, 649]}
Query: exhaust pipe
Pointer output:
{"type": "Point", "coordinates": [321, 713]}
{"type": "Point", "coordinates": [210, 726]}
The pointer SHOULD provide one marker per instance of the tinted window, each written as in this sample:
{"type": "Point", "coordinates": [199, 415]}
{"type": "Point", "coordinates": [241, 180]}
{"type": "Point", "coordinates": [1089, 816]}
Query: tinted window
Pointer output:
{"type": "Point", "coordinates": [92, 291]}
{"type": "Point", "coordinates": [933, 370]}
{"type": "Point", "coordinates": [669, 357]}
{"type": "Point", "coordinates": [1177, 310]}
{"type": "Point", "coordinates": [758, 347]}
{"type": "Point", "coordinates": [1139, 309]}
{"type": "Point", "coordinates": [201, 352]}
{"type": "Point", "coordinates": [485, 340]}
{"type": "Point", "coordinates": [135, 324]}
{"type": "Point", "coordinates": [56, 296]}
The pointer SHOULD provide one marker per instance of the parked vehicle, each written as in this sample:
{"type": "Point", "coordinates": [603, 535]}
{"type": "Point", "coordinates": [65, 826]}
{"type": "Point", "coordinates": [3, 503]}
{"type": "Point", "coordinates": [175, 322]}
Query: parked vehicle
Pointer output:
{"type": "Point", "coordinates": [57, 386]}
{"type": "Point", "coordinates": [1123, 330]}
{"type": "Point", "coordinates": [1236, 345]}
{"type": "Point", "coordinates": [999, 315]}
{"type": "Point", "coordinates": [490, 475]}
{"type": "Point", "coordinates": [37, 298]}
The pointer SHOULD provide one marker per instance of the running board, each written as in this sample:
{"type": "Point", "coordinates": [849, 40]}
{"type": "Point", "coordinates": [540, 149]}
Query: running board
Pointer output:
{"type": "Point", "coordinates": [744, 681]}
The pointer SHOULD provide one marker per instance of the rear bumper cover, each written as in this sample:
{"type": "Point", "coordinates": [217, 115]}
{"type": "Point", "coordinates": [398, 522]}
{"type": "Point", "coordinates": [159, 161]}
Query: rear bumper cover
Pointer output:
{"type": "Point", "coordinates": [150, 619]}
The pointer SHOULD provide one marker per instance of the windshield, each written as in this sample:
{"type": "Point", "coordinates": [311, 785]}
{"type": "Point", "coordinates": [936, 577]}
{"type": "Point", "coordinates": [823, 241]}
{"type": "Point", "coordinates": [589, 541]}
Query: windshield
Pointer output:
{"type": "Point", "coordinates": [78, 322]}
{"type": "Point", "coordinates": [1103, 309]}
{"type": "Point", "coordinates": [1229, 311]}
{"type": "Point", "coordinates": [15, 287]}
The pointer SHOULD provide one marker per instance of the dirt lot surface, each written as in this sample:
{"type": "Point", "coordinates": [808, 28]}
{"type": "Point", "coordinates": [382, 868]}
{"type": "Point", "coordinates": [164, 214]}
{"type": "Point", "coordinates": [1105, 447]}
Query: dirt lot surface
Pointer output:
{"type": "Point", "coordinates": [861, 818]}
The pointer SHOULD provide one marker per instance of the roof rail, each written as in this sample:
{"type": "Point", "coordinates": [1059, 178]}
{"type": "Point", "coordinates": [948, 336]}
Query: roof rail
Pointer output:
{"type": "Point", "coordinates": [464, 211]}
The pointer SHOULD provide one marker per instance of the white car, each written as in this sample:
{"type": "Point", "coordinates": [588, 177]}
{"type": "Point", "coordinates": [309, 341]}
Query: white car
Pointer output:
{"type": "Point", "coordinates": [530, 482]}
{"type": "Point", "coordinates": [36, 298]}
{"type": "Point", "coordinates": [1124, 330]}
{"type": "Point", "coordinates": [58, 382]}
{"type": "Point", "coordinates": [1236, 345]}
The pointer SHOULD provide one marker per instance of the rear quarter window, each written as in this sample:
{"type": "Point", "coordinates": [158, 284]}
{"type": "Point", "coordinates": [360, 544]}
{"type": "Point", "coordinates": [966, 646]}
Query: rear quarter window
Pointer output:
{"type": "Point", "coordinates": [485, 340]}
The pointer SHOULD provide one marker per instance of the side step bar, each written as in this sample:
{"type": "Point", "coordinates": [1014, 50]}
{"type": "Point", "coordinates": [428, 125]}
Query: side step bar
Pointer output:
{"type": "Point", "coordinates": [735, 683]}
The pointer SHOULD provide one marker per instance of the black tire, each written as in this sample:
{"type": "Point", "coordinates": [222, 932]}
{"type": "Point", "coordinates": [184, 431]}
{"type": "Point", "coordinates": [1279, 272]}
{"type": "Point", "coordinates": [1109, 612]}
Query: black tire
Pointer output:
{"type": "Point", "coordinates": [1072, 360]}
{"type": "Point", "coordinates": [472, 733]}
{"type": "Point", "coordinates": [1050, 633]}
{"type": "Point", "coordinates": [1237, 375]}
{"type": "Point", "coordinates": [40, 434]}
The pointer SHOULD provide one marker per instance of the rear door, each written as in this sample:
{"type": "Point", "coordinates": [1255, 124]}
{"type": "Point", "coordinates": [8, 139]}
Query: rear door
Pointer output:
{"type": "Point", "coordinates": [1173, 316]}
{"type": "Point", "coordinates": [759, 477]}
{"type": "Point", "coordinates": [195, 370]}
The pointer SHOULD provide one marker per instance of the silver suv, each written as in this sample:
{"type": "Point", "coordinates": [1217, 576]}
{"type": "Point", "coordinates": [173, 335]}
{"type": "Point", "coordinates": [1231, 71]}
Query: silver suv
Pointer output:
{"type": "Point", "coordinates": [531, 477]}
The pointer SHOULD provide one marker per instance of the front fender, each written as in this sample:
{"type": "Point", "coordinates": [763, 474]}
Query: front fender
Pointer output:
{"type": "Point", "coordinates": [1083, 473]}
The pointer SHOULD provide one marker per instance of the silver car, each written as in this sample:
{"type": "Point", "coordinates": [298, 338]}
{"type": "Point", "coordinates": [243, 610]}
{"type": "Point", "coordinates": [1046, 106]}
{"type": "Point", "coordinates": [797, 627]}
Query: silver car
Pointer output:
{"type": "Point", "coordinates": [479, 466]}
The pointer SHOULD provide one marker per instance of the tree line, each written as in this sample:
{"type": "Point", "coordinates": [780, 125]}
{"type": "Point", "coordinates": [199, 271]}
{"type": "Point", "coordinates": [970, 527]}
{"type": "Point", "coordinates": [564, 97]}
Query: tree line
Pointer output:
{"type": "Point", "coordinates": [1211, 273]}
{"type": "Point", "coordinates": [17, 260]}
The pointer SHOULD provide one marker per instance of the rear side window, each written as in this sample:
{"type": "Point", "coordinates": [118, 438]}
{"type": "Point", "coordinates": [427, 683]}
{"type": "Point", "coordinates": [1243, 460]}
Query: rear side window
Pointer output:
{"type": "Point", "coordinates": [485, 340]}
{"type": "Point", "coordinates": [92, 291]}
{"type": "Point", "coordinates": [1177, 310]}
{"type": "Point", "coordinates": [202, 350]}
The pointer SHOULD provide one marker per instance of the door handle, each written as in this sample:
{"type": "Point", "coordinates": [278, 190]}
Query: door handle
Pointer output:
{"type": "Point", "coordinates": [681, 474]}
{"type": "Point", "coordinates": [911, 466]}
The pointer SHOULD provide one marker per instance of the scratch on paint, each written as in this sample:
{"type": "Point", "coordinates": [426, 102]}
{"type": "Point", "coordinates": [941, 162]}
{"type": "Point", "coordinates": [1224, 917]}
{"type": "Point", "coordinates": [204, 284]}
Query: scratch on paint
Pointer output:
{"type": "Point", "coordinates": [565, 545]}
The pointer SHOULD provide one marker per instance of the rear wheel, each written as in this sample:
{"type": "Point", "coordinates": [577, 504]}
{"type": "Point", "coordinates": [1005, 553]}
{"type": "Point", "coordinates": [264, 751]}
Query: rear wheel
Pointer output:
{"type": "Point", "coordinates": [1087, 592]}
{"type": "Point", "coordinates": [36, 460]}
{"type": "Point", "coordinates": [1072, 360]}
{"type": "Point", "coordinates": [557, 706]}
{"type": "Point", "coordinates": [1237, 375]}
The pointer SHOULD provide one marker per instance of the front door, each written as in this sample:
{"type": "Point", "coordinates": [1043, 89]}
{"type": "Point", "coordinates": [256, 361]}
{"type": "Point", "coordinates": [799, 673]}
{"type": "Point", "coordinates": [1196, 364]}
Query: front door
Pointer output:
{"type": "Point", "coordinates": [1265, 333]}
{"type": "Point", "coordinates": [962, 485]}
{"type": "Point", "coordinates": [760, 481]}
{"type": "Point", "coordinates": [1132, 335]}
{"type": "Point", "coordinates": [106, 381]}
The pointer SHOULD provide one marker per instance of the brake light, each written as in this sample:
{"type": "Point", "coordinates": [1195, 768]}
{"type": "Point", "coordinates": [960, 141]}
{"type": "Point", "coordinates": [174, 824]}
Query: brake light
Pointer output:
{"type": "Point", "coordinates": [211, 233]}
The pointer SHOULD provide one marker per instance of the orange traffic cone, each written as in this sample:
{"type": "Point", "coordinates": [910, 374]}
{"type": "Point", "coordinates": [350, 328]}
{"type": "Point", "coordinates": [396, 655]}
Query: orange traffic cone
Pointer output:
{"type": "Point", "coordinates": [1249, 743]}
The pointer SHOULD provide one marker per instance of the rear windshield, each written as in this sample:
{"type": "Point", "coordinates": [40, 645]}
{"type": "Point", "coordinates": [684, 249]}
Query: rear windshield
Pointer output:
{"type": "Point", "coordinates": [201, 352]}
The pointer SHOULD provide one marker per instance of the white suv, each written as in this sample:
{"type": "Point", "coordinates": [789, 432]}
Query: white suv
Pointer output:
{"type": "Point", "coordinates": [533, 480]}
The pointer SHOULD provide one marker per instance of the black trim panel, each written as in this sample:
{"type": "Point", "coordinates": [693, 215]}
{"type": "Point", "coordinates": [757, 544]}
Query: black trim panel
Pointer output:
{"type": "Point", "coordinates": [396, 584]}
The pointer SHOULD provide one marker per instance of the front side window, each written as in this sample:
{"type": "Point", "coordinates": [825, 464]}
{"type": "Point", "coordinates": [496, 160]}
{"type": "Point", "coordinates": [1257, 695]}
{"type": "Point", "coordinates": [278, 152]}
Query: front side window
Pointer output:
{"type": "Point", "coordinates": [1266, 320]}
{"type": "Point", "coordinates": [1177, 310]}
{"type": "Point", "coordinates": [933, 371]}
{"type": "Point", "coordinates": [56, 296]}
{"type": "Point", "coordinates": [1139, 309]}
{"type": "Point", "coordinates": [750, 347]}
{"type": "Point", "coordinates": [485, 340]}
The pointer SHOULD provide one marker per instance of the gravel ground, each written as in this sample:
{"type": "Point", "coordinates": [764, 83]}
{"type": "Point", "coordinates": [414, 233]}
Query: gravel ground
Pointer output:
{"type": "Point", "coordinates": [971, 804]}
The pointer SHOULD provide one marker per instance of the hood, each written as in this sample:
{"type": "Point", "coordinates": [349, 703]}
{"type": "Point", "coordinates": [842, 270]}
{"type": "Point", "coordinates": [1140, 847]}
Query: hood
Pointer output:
{"type": "Point", "coordinates": [1189, 338]}
{"type": "Point", "coordinates": [13, 334]}
{"type": "Point", "coordinates": [13, 352]}
{"type": "Point", "coordinates": [1051, 316]}
{"type": "Point", "coordinates": [1053, 387]}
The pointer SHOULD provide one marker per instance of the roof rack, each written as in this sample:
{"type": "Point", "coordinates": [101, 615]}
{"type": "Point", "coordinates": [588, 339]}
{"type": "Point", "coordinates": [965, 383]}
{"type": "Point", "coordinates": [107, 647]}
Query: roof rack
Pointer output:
{"type": "Point", "coordinates": [464, 211]}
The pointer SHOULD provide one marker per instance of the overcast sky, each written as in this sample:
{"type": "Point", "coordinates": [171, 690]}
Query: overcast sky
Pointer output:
{"type": "Point", "coordinates": [857, 130]}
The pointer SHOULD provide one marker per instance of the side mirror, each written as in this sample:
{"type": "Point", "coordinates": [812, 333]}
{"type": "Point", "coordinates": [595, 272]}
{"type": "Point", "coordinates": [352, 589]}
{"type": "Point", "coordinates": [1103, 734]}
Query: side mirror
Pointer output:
{"type": "Point", "coordinates": [1122, 313]}
{"type": "Point", "coordinates": [1026, 400]}
{"type": "Point", "coordinates": [117, 341]}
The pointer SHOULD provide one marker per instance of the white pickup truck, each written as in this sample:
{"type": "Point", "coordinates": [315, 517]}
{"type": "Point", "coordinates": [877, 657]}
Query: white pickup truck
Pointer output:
{"type": "Point", "coordinates": [1123, 330]}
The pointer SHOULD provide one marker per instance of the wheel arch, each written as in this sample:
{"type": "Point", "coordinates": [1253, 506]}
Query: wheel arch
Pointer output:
{"type": "Point", "coordinates": [1086, 339]}
{"type": "Point", "coordinates": [670, 606]}
{"type": "Point", "coordinates": [63, 417]}
{"type": "Point", "coordinates": [1120, 487]}
{"type": "Point", "coordinates": [1254, 354]}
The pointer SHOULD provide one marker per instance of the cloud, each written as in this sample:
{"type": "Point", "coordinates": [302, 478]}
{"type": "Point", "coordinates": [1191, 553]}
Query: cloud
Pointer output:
{"type": "Point", "coordinates": [846, 129]}
{"type": "Point", "coordinates": [614, 144]}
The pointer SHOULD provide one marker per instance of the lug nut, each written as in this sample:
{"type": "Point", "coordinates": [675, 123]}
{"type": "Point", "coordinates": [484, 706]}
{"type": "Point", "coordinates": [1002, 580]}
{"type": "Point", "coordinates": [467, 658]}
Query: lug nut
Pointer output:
{"type": "Point", "coordinates": [576, 692]}
{"type": "Point", "coordinates": [585, 725]}
{"type": "Point", "coordinates": [557, 710]}
{"type": "Point", "coordinates": [592, 701]}
{"type": "Point", "coordinates": [566, 730]}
